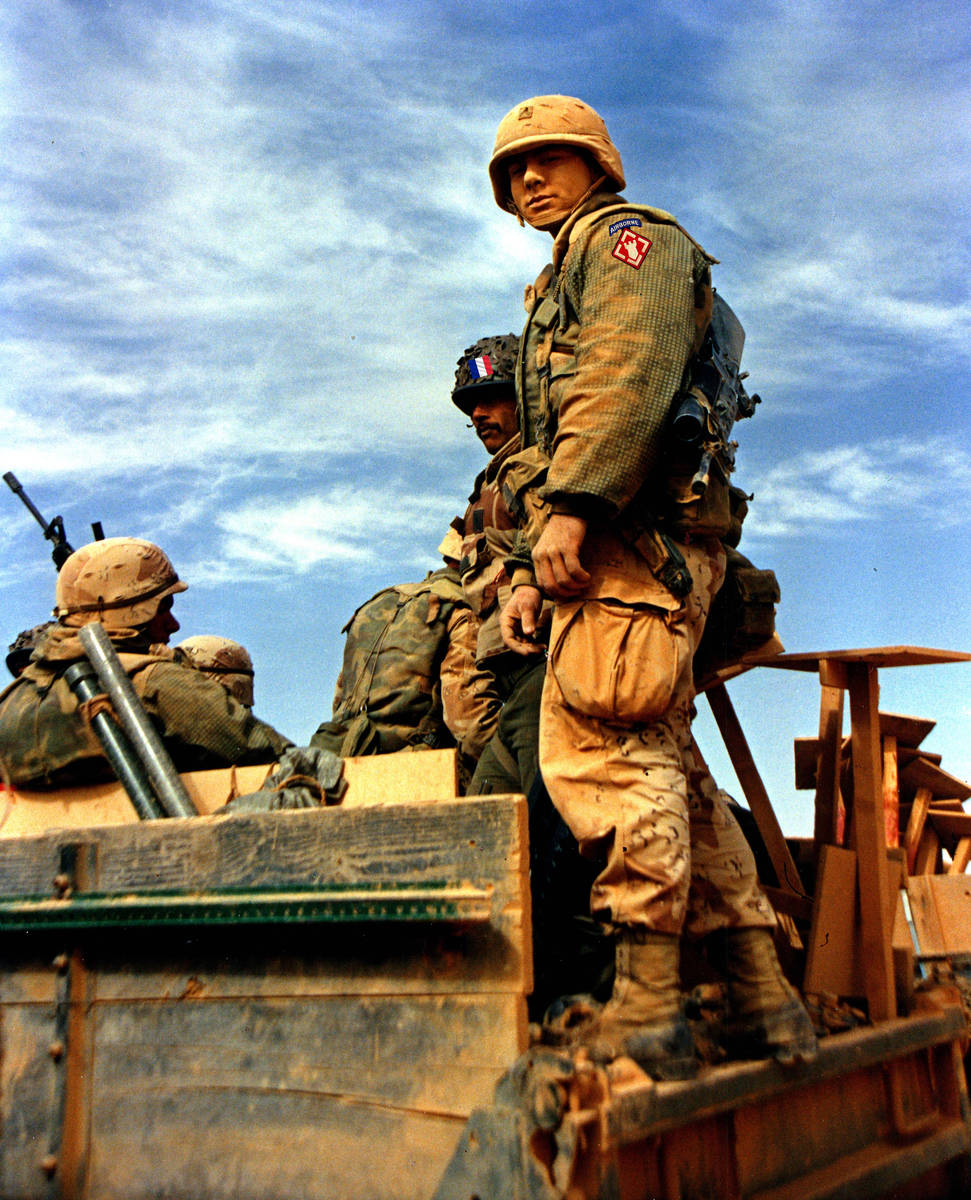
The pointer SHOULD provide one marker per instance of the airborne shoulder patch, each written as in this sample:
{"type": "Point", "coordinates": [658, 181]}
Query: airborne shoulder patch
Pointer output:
{"type": "Point", "coordinates": [631, 248]}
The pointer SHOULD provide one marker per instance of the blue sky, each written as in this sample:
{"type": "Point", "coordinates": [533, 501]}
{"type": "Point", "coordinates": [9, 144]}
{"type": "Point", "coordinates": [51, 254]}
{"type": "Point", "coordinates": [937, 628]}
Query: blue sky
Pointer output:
{"type": "Point", "coordinates": [245, 241]}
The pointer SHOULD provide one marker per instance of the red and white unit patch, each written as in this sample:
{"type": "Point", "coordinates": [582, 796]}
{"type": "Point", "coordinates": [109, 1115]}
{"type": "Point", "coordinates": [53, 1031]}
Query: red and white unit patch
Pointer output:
{"type": "Point", "coordinates": [631, 248]}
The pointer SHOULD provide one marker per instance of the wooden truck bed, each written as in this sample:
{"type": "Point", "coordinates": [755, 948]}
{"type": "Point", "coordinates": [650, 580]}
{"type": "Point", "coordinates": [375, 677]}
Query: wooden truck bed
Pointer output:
{"type": "Point", "coordinates": [331, 1003]}
{"type": "Point", "coordinates": [301, 1004]}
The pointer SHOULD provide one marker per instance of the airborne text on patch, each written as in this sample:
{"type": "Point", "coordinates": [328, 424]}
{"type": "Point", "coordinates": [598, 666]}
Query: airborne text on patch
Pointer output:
{"type": "Point", "coordinates": [631, 248]}
{"type": "Point", "coordinates": [627, 223]}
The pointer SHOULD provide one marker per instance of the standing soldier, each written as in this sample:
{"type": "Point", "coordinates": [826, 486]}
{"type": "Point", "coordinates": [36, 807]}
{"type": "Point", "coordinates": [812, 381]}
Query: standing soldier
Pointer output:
{"type": "Point", "coordinates": [612, 328]}
{"type": "Point", "coordinates": [570, 952]}
{"type": "Point", "coordinates": [485, 390]}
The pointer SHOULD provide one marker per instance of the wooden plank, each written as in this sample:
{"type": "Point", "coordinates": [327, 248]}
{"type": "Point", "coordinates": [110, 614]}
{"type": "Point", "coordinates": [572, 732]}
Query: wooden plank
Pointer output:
{"type": "Point", "coordinates": [954, 824]}
{"type": "Point", "coordinates": [419, 842]}
{"type": "Point", "coordinates": [891, 791]}
{"type": "Point", "coordinates": [961, 858]}
{"type": "Point", "coordinates": [831, 964]}
{"type": "Point", "coordinates": [870, 842]}
{"type": "Point", "coordinates": [828, 801]}
{"type": "Point", "coordinates": [404, 777]}
{"type": "Point", "coordinates": [922, 773]}
{"type": "Point", "coordinates": [915, 826]}
{"type": "Point", "coordinates": [787, 874]}
{"type": "Point", "coordinates": [907, 754]}
{"type": "Point", "coordinates": [436, 1054]}
{"type": "Point", "coordinates": [833, 960]}
{"type": "Point", "coordinates": [941, 907]}
{"type": "Point", "coordinates": [788, 903]}
{"type": "Point", "coordinates": [909, 731]}
{"type": "Point", "coordinates": [927, 861]}
{"type": "Point", "coordinates": [28, 1076]}
{"type": "Point", "coordinates": [805, 753]}
{"type": "Point", "coordinates": [207, 1144]}
{"type": "Point", "coordinates": [877, 656]}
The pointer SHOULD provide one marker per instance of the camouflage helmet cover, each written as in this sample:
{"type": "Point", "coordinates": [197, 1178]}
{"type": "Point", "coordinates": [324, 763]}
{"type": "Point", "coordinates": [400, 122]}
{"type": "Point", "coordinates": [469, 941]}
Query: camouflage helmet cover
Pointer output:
{"type": "Point", "coordinates": [552, 120]}
{"type": "Point", "coordinates": [224, 660]}
{"type": "Point", "coordinates": [490, 363]}
{"type": "Point", "coordinates": [22, 647]}
{"type": "Point", "coordinates": [117, 581]}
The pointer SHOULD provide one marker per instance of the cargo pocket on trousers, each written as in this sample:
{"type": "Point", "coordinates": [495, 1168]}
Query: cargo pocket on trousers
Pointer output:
{"type": "Point", "coordinates": [618, 662]}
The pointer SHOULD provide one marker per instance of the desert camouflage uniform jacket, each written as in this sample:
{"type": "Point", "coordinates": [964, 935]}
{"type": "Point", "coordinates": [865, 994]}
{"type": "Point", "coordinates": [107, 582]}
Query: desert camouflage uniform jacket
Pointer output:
{"type": "Point", "coordinates": [45, 743]}
{"type": "Point", "coordinates": [488, 531]}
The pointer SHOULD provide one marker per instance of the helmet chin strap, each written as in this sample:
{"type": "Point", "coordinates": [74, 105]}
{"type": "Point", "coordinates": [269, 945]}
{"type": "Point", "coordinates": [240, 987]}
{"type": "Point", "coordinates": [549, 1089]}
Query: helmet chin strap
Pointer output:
{"type": "Point", "coordinates": [591, 191]}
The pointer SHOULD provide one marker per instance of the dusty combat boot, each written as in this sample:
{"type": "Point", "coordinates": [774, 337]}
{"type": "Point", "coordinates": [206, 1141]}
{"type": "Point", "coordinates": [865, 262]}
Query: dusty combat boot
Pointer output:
{"type": "Point", "coordinates": [643, 1018]}
{"type": "Point", "coordinates": [768, 1020]}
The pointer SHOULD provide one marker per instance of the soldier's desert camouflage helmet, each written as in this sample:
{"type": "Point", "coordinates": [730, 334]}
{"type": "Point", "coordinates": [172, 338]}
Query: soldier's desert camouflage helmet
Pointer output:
{"type": "Point", "coordinates": [117, 581]}
{"type": "Point", "coordinates": [224, 660]}
{"type": "Point", "coordinates": [552, 120]}
{"type": "Point", "coordinates": [490, 363]}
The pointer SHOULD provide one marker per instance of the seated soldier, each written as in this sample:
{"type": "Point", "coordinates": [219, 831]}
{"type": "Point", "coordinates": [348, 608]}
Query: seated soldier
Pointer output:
{"type": "Point", "coordinates": [127, 585]}
{"type": "Point", "coordinates": [224, 660]}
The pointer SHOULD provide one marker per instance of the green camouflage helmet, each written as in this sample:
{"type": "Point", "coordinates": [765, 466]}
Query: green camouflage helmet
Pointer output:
{"type": "Point", "coordinates": [490, 363]}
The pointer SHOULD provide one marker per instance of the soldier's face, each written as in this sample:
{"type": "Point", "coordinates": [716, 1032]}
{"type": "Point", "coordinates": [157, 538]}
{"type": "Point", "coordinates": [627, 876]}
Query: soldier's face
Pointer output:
{"type": "Point", "coordinates": [546, 184]}
{"type": "Point", "coordinates": [494, 418]}
{"type": "Point", "coordinates": [163, 624]}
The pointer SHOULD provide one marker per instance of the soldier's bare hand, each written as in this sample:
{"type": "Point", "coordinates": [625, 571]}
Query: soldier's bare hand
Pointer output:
{"type": "Point", "coordinates": [521, 618]}
{"type": "Point", "coordinates": [556, 557]}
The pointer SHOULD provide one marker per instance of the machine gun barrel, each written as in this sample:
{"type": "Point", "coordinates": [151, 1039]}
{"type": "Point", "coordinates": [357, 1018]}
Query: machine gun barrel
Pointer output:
{"type": "Point", "coordinates": [53, 530]}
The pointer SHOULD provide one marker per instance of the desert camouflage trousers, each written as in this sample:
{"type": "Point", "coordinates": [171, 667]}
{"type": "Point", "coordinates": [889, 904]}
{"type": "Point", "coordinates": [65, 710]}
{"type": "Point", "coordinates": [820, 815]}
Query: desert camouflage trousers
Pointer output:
{"type": "Point", "coordinates": [619, 760]}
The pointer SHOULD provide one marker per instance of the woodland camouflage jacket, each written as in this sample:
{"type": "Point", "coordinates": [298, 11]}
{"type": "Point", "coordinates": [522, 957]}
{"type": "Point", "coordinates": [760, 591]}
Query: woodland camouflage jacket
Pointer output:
{"type": "Point", "coordinates": [409, 678]}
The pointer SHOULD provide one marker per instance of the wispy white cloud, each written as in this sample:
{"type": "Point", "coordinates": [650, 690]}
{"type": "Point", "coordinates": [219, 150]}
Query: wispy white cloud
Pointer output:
{"type": "Point", "coordinates": [890, 479]}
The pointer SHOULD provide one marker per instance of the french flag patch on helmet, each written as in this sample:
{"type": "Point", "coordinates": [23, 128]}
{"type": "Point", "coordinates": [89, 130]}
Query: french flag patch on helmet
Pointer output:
{"type": "Point", "coordinates": [481, 368]}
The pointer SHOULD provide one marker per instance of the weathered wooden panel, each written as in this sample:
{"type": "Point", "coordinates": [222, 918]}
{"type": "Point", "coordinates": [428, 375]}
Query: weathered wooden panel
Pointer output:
{"type": "Point", "coordinates": [312, 1060]}
{"type": "Point", "coordinates": [29, 1115]}
{"type": "Point", "coordinates": [412, 778]}
{"type": "Point", "coordinates": [266, 1146]}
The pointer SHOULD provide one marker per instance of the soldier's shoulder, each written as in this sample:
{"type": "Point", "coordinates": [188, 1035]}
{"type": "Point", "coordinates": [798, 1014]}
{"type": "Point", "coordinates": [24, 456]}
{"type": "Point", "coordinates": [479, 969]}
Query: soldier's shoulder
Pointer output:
{"type": "Point", "coordinates": [628, 231]}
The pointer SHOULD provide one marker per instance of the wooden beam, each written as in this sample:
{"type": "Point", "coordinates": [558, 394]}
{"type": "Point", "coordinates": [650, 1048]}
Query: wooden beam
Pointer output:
{"type": "Point", "coordinates": [828, 800]}
{"type": "Point", "coordinates": [870, 838]}
{"type": "Point", "coordinates": [726, 718]}
{"type": "Point", "coordinates": [962, 856]}
{"type": "Point", "coordinates": [891, 790]}
{"type": "Point", "coordinates": [928, 859]}
{"type": "Point", "coordinates": [909, 731]}
{"type": "Point", "coordinates": [915, 826]}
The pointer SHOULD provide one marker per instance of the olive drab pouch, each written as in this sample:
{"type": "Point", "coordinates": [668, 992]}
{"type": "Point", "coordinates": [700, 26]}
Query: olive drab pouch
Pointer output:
{"type": "Point", "coordinates": [688, 513]}
{"type": "Point", "coordinates": [742, 616]}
